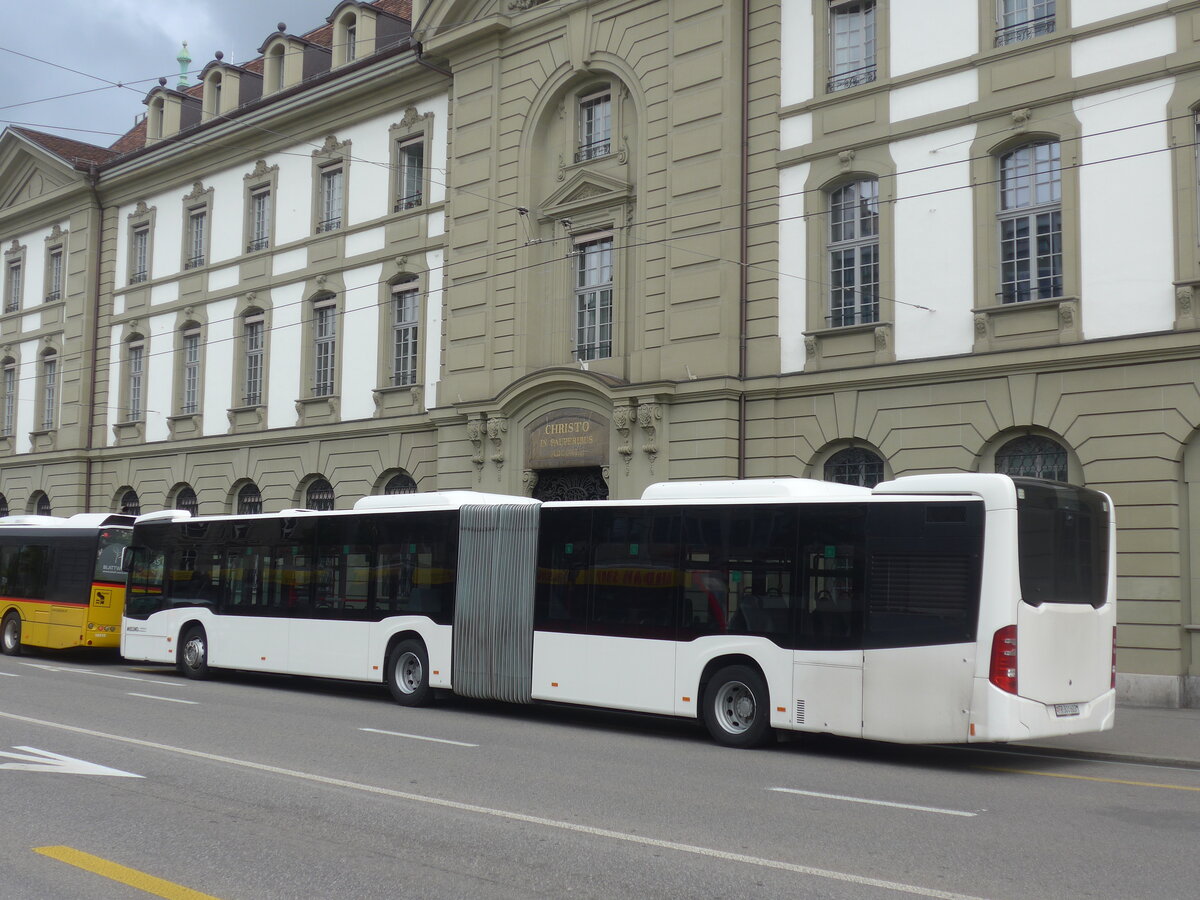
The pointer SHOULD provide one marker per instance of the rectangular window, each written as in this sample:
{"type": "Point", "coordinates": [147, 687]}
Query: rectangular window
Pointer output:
{"type": "Point", "coordinates": [134, 411]}
{"type": "Point", "coordinates": [253, 336]}
{"type": "Point", "coordinates": [595, 125]}
{"type": "Point", "coordinates": [139, 271]}
{"type": "Point", "coordinates": [260, 220]}
{"type": "Point", "coordinates": [404, 334]}
{"type": "Point", "coordinates": [410, 164]}
{"type": "Point", "coordinates": [197, 220]}
{"type": "Point", "coordinates": [325, 349]}
{"type": "Point", "coordinates": [49, 391]}
{"type": "Point", "coordinates": [1031, 264]}
{"type": "Point", "coordinates": [854, 254]}
{"type": "Point", "coordinates": [593, 297]}
{"type": "Point", "coordinates": [191, 373]}
{"type": "Point", "coordinates": [1021, 20]}
{"type": "Point", "coordinates": [851, 43]}
{"type": "Point", "coordinates": [12, 297]}
{"type": "Point", "coordinates": [331, 199]}
{"type": "Point", "coordinates": [10, 398]}
{"type": "Point", "coordinates": [54, 275]}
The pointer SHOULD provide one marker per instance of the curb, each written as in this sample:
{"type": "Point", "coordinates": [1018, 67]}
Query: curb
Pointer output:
{"type": "Point", "coordinates": [1106, 756]}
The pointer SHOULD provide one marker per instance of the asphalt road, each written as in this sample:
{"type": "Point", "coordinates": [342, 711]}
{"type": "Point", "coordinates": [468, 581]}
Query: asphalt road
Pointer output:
{"type": "Point", "coordinates": [267, 787]}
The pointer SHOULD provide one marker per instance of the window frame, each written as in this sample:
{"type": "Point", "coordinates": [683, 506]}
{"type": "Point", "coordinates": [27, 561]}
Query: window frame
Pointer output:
{"type": "Point", "coordinates": [324, 346]}
{"type": "Point", "coordinates": [133, 384]}
{"type": "Point", "coordinates": [415, 128]}
{"type": "Point", "coordinates": [197, 204]}
{"type": "Point", "coordinates": [9, 372]}
{"type": "Point", "coordinates": [248, 353]}
{"type": "Point", "coordinates": [1030, 213]}
{"type": "Point", "coordinates": [331, 157]}
{"type": "Point", "coordinates": [15, 278]}
{"type": "Point", "coordinates": [856, 245]}
{"type": "Point", "coordinates": [140, 222]}
{"type": "Point", "coordinates": [191, 339]}
{"type": "Point", "coordinates": [838, 80]}
{"type": "Point", "coordinates": [55, 281]}
{"type": "Point", "coordinates": [48, 390]}
{"type": "Point", "coordinates": [408, 330]}
{"type": "Point", "coordinates": [263, 180]}
{"type": "Point", "coordinates": [584, 349]}
{"type": "Point", "coordinates": [1019, 32]}
{"type": "Point", "coordinates": [588, 146]}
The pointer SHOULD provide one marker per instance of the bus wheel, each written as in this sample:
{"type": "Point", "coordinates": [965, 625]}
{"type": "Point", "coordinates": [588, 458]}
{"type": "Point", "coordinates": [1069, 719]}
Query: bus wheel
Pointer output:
{"type": "Point", "coordinates": [10, 635]}
{"type": "Point", "coordinates": [736, 708]}
{"type": "Point", "coordinates": [193, 653]}
{"type": "Point", "coordinates": [408, 674]}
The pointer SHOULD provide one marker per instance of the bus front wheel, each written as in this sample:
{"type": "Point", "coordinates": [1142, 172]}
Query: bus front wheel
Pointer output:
{"type": "Point", "coordinates": [408, 674]}
{"type": "Point", "coordinates": [10, 635]}
{"type": "Point", "coordinates": [193, 653]}
{"type": "Point", "coordinates": [736, 707]}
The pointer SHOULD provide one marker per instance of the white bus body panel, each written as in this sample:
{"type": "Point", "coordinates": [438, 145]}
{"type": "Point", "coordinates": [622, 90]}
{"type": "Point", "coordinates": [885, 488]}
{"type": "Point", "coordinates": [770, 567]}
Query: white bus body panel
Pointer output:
{"type": "Point", "coordinates": [827, 685]}
{"type": "Point", "coordinates": [594, 670]}
{"type": "Point", "coordinates": [1064, 652]}
{"type": "Point", "coordinates": [918, 694]}
{"type": "Point", "coordinates": [329, 649]}
{"type": "Point", "coordinates": [247, 642]}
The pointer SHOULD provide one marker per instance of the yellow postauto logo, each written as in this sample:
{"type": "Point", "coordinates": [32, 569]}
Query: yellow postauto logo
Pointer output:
{"type": "Point", "coordinates": [102, 597]}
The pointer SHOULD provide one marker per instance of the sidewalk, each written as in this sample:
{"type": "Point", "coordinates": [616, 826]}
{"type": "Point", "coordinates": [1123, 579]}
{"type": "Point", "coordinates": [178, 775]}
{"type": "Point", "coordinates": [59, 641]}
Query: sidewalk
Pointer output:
{"type": "Point", "coordinates": [1141, 734]}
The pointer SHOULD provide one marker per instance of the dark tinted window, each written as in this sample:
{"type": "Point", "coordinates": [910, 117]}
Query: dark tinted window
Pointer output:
{"type": "Point", "coordinates": [923, 574]}
{"type": "Point", "coordinates": [635, 572]}
{"type": "Point", "coordinates": [739, 571]}
{"type": "Point", "coordinates": [1063, 543]}
{"type": "Point", "coordinates": [415, 569]}
{"type": "Point", "coordinates": [113, 541]}
{"type": "Point", "coordinates": [564, 577]}
{"type": "Point", "coordinates": [832, 553]}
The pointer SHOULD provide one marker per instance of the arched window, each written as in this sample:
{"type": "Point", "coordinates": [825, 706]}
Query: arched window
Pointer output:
{"type": "Point", "coordinates": [319, 495]}
{"type": "Point", "coordinates": [249, 501]}
{"type": "Point", "coordinates": [3, 505]}
{"type": "Point", "coordinates": [131, 504]}
{"type": "Point", "coordinates": [1031, 251]}
{"type": "Point", "coordinates": [40, 504]}
{"type": "Point", "coordinates": [186, 500]}
{"type": "Point", "coordinates": [854, 253]}
{"type": "Point", "coordinates": [1033, 456]}
{"type": "Point", "coordinates": [854, 465]}
{"type": "Point", "coordinates": [400, 484]}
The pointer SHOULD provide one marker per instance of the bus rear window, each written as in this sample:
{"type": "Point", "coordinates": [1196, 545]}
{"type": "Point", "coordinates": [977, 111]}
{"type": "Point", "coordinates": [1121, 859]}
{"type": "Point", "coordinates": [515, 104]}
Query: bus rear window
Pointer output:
{"type": "Point", "coordinates": [109, 554]}
{"type": "Point", "coordinates": [1063, 543]}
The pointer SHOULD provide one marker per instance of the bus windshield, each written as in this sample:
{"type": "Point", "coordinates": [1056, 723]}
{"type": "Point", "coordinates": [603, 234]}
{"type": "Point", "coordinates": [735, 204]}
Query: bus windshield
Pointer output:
{"type": "Point", "coordinates": [1063, 543]}
{"type": "Point", "coordinates": [113, 544]}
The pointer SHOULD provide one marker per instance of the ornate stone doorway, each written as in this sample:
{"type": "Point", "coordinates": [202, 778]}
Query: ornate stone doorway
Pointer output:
{"type": "Point", "coordinates": [585, 483]}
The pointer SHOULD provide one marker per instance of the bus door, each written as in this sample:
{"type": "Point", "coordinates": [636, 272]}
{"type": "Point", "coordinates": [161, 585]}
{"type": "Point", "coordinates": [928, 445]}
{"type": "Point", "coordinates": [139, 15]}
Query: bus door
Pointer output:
{"type": "Point", "coordinates": [827, 671]}
{"type": "Point", "coordinates": [249, 633]}
{"type": "Point", "coordinates": [922, 603]}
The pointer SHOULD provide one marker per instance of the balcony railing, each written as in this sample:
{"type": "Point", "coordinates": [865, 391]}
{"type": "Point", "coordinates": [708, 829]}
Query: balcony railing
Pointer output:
{"type": "Point", "coordinates": [1024, 31]}
{"type": "Point", "coordinates": [138, 277]}
{"type": "Point", "coordinates": [866, 314]}
{"type": "Point", "coordinates": [257, 244]}
{"type": "Point", "coordinates": [53, 295]}
{"type": "Point", "coordinates": [594, 150]}
{"type": "Point", "coordinates": [409, 202]}
{"type": "Point", "coordinates": [842, 80]}
{"type": "Point", "coordinates": [194, 262]}
{"type": "Point", "coordinates": [329, 225]}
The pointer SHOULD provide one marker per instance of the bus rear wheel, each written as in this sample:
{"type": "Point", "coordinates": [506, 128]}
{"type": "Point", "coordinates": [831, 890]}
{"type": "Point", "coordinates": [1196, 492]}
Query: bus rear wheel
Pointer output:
{"type": "Point", "coordinates": [408, 674]}
{"type": "Point", "coordinates": [736, 707]}
{"type": "Point", "coordinates": [193, 653]}
{"type": "Point", "coordinates": [10, 635]}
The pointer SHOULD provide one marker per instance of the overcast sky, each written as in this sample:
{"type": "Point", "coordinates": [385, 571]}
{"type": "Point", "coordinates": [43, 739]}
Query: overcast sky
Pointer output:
{"type": "Point", "coordinates": [128, 41]}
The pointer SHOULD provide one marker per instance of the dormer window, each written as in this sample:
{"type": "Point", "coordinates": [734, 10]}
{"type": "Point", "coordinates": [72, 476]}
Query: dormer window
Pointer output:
{"type": "Point", "coordinates": [345, 39]}
{"type": "Point", "coordinates": [273, 75]}
{"type": "Point", "coordinates": [154, 121]}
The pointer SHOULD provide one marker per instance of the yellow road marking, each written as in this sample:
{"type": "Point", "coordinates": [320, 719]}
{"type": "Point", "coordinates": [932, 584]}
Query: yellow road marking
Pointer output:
{"type": "Point", "coordinates": [157, 886]}
{"type": "Point", "coordinates": [1154, 784]}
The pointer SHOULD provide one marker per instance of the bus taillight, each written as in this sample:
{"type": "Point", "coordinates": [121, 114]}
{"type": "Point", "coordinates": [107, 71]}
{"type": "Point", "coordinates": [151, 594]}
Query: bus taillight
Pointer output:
{"type": "Point", "coordinates": [1004, 659]}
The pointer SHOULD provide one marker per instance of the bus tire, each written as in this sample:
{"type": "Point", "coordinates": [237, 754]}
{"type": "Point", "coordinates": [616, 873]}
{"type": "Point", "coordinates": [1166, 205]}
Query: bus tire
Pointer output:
{"type": "Point", "coordinates": [737, 708]}
{"type": "Point", "coordinates": [193, 653]}
{"type": "Point", "coordinates": [408, 674]}
{"type": "Point", "coordinates": [10, 634]}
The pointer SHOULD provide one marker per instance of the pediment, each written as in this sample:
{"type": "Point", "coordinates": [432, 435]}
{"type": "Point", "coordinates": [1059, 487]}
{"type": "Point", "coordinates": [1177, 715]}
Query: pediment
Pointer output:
{"type": "Point", "coordinates": [584, 191]}
{"type": "Point", "coordinates": [445, 23]}
{"type": "Point", "coordinates": [28, 174]}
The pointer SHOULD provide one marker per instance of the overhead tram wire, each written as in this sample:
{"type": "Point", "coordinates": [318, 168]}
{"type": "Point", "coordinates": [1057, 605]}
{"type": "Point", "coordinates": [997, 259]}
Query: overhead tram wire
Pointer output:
{"type": "Point", "coordinates": [555, 260]}
{"type": "Point", "coordinates": [751, 205]}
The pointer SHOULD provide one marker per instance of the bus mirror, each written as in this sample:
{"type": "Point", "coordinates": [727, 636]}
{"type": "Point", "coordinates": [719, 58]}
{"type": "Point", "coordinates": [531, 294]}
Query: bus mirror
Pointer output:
{"type": "Point", "coordinates": [127, 559]}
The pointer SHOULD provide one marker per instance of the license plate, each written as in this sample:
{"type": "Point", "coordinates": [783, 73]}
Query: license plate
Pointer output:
{"type": "Point", "coordinates": [1066, 709]}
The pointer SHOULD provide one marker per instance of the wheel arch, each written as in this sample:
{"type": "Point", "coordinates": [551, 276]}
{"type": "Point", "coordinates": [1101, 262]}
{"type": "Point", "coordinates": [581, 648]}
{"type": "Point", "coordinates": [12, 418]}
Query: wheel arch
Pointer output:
{"type": "Point", "coordinates": [717, 663]}
{"type": "Point", "coordinates": [184, 627]}
{"type": "Point", "coordinates": [404, 634]}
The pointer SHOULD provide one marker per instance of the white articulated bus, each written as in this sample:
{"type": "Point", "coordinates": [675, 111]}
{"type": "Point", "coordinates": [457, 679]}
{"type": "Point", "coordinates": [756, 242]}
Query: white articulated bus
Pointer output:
{"type": "Point", "coordinates": [932, 608]}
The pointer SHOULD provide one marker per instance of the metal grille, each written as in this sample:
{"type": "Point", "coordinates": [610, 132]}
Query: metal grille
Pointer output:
{"type": "Point", "coordinates": [400, 484]}
{"type": "Point", "coordinates": [854, 466]}
{"type": "Point", "coordinates": [799, 712]}
{"type": "Point", "coordinates": [131, 504]}
{"type": "Point", "coordinates": [43, 506]}
{"type": "Point", "coordinates": [3, 505]}
{"type": "Point", "coordinates": [1034, 457]}
{"type": "Point", "coordinates": [571, 484]}
{"type": "Point", "coordinates": [493, 612]}
{"type": "Point", "coordinates": [319, 495]}
{"type": "Point", "coordinates": [249, 500]}
{"type": "Point", "coordinates": [186, 500]}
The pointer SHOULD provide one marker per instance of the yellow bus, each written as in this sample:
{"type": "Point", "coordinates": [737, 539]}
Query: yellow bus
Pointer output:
{"type": "Point", "coordinates": [61, 580]}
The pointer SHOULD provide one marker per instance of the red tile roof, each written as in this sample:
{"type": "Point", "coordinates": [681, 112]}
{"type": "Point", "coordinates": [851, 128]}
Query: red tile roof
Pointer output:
{"type": "Point", "coordinates": [74, 152]}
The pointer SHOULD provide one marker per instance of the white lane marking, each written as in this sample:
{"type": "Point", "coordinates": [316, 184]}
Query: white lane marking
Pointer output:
{"type": "Point", "coordinates": [10, 674]}
{"type": "Point", "coordinates": [76, 671]}
{"type": "Point", "coordinates": [168, 699]}
{"type": "Point", "coordinates": [761, 862]}
{"type": "Point", "coordinates": [34, 760]}
{"type": "Point", "coordinates": [932, 809]}
{"type": "Point", "coordinates": [418, 737]}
